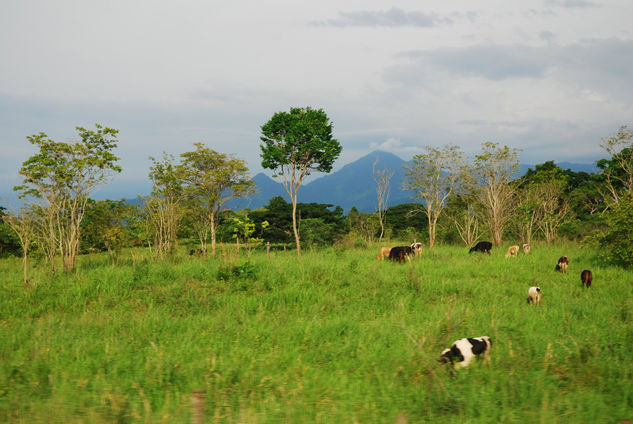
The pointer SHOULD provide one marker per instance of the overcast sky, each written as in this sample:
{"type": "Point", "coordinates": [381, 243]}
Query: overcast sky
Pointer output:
{"type": "Point", "coordinates": [551, 77]}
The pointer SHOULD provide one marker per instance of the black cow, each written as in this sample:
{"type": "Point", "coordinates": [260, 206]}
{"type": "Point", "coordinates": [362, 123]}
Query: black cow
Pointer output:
{"type": "Point", "coordinates": [482, 246]}
{"type": "Point", "coordinates": [400, 253]}
{"type": "Point", "coordinates": [586, 277]}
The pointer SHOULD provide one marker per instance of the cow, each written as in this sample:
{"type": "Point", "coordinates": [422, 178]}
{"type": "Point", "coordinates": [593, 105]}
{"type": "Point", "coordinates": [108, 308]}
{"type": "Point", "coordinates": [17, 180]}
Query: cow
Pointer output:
{"type": "Point", "coordinates": [383, 253]}
{"type": "Point", "coordinates": [482, 246]}
{"type": "Point", "coordinates": [400, 253]}
{"type": "Point", "coordinates": [526, 248]}
{"type": "Point", "coordinates": [197, 252]}
{"type": "Point", "coordinates": [464, 350]}
{"type": "Point", "coordinates": [417, 248]}
{"type": "Point", "coordinates": [512, 251]}
{"type": "Point", "coordinates": [534, 296]}
{"type": "Point", "coordinates": [586, 277]}
{"type": "Point", "coordinates": [563, 264]}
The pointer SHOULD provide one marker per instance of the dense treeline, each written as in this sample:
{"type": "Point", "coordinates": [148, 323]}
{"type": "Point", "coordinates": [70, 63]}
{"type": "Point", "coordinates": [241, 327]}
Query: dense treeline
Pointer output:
{"type": "Point", "coordinates": [456, 201]}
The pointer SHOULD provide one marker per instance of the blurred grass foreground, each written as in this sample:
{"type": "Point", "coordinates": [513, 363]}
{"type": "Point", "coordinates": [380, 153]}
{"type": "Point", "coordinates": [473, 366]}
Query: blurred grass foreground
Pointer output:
{"type": "Point", "coordinates": [336, 337]}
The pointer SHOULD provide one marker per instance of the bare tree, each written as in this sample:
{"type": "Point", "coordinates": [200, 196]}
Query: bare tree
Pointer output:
{"type": "Point", "coordinates": [383, 188]}
{"type": "Point", "coordinates": [553, 208]}
{"type": "Point", "coordinates": [163, 210]}
{"type": "Point", "coordinates": [494, 169]}
{"type": "Point", "coordinates": [24, 227]}
{"type": "Point", "coordinates": [618, 172]}
{"type": "Point", "coordinates": [526, 215]}
{"type": "Point", "coordinates": [466, 222]}
{"type": "Point", "coordinates": [436, 176]}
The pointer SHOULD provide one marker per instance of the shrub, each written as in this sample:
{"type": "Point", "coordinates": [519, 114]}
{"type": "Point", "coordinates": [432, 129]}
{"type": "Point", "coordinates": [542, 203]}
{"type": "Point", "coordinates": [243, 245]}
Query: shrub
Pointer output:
{"type": "Point", "coordinates": [616, 240]}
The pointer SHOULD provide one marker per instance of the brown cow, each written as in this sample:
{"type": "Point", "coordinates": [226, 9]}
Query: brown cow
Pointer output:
{"type": "Point", "coordinates": [512, 251]}
{"type": "Point", "coordinates": [526, 248]}
{"type": "Point", "coordinates": [383, 253]}
{"type": "Point", "coordinates": [563, 264]}
{"type": "Point", "coordinates": [586, 277]}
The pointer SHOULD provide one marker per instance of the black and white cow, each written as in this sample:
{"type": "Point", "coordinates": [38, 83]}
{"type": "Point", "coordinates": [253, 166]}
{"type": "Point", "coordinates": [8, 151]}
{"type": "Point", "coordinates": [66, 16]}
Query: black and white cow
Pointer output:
{"type": "Point", "coordinates": [464, 350]}
{"type": "Point", "coordinates": [482, 246]}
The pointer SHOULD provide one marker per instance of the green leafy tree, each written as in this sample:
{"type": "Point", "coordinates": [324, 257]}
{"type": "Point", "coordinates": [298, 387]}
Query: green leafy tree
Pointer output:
{"type": "Point", "coordinates": [434, 177]}
{"type": "Point", "coordinates": [294, 144]}
{"type": "Point", "coordinates": [109, 225]}
{"type": "Point", "coordinates": [278, 213]}
{"type": "Point", "coordinates": [211, 179]}
{"type": "Point", "coordinates": [402, 217]}
{"type": "Point", "coordinates": [61, 176]}
{"type": "Point", "coordinates": [615, 242]}
{"type": "Point", "coordinates": [9, 242]}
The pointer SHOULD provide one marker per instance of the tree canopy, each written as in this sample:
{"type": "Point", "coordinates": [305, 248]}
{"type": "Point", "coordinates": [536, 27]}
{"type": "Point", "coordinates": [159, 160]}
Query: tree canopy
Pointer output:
{"type": "Point", "coordinates": [295, 143]}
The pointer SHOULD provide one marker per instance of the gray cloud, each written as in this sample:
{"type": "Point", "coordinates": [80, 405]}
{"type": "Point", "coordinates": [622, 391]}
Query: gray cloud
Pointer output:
{"type": "Point", "coordinates": [394, 17]}
{"type": "Point", "coordinates": [492, 62]}
{"type": "Point", "coordinates": [602, 65]}
{"type": "Point", "coordinates": [571, 4]}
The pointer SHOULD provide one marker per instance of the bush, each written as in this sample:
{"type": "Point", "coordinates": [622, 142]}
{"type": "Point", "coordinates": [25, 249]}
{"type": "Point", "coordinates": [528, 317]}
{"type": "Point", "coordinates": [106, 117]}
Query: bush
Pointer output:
{"type": "Point", "coordinates": [616, 240]}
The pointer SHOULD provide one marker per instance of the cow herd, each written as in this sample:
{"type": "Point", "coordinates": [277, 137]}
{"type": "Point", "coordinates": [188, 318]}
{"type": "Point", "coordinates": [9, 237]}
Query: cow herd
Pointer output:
{"type": "Point", "coordinates": [464, 350]}
{"type": "Point", "coordinates": [400, 253]}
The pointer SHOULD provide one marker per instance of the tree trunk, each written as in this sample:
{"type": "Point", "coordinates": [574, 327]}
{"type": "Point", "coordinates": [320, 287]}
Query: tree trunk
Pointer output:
{"type": "Point", "coordinates": [432, 231]}
{"type": "Point", "coordinates": [213, 235]}
{"type": "Point", "coordinates": [294, 224]}
{"type": "Point", "coordinates": [24, 266]}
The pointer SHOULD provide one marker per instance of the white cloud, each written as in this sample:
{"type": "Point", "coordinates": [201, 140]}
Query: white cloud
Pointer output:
{"type": "Point", "coordinates": [394, 145]}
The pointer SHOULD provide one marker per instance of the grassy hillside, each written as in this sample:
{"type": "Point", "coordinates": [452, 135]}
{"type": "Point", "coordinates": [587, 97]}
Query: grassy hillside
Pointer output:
{"type": "Point", "coordinates": [335, 338]}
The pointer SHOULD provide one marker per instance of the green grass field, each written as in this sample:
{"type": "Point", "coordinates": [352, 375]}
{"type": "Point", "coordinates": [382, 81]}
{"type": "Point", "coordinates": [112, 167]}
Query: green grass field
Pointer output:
{"type": "Point", "coordinates": [335, 338]}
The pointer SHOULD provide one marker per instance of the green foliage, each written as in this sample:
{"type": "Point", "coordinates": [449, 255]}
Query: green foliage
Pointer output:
{"type": "Point", "coordinates": [69, 169]}
{"type": "Point", "coordinates": [401, 218]}
{"type": "Point", "coordinates": [294, 144]}
{"type": "Point", "coordinates": [278, 215]}
{"type": "Point", "coordinates": [9, 242]}
{"type": "Point", "coordinates": [243, 271]}
{"type": "Point", "coordinates": [110, 225]}
{"type": "Point", "coordinates": [301, 137]}
{"type": "Point", "coordinates": [616, 241]}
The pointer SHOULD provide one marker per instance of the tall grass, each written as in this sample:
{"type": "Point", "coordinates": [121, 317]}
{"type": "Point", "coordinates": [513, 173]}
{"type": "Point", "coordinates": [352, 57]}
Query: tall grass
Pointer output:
{"type": "Point", "coordinates": [335, 337]}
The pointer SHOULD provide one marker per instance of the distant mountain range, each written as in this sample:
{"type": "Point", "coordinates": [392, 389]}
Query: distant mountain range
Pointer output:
{"type": "Point", "coordinates": [353, 184]}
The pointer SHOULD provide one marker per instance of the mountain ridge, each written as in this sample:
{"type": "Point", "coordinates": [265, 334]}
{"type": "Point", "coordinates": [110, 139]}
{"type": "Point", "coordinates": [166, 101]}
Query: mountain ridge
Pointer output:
{"type": "Point", "coordinates": [353, 185]}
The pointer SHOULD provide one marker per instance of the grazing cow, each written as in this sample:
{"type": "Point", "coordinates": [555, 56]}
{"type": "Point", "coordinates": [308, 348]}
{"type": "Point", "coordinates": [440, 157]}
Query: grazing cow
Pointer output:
{"type": "Point", "coordinates": [383, 253]}
{"type": "Point", "coordinates": [534, 296]}
{"type": "Point", "coordinates": [482, 246]}
{"type": "Point", "coordinates": [400, 253]}
{"type": "Point", "coordinates": [563, 264]}
{"type": "Point", "coordinates": [464, 350]}
{"type": "Point", "coordinates": [526, 248]}
{"type": "Point", "coordinates": [197, 252]}
{"type": "Point", "coordinates": [586, 277]}
{"type": "Point", "coordinates": [512, 251]}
